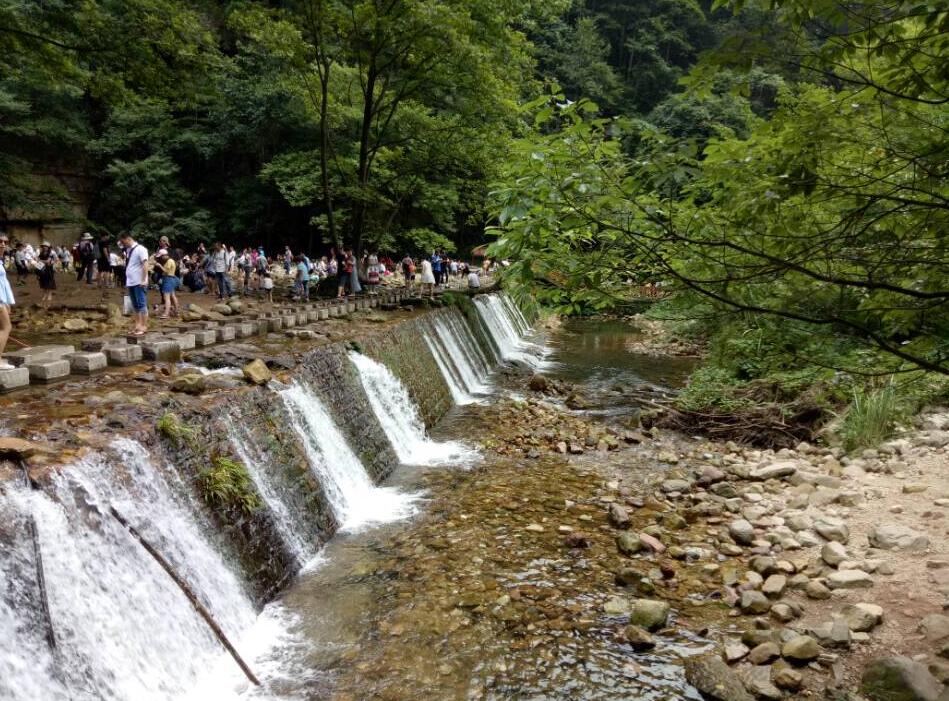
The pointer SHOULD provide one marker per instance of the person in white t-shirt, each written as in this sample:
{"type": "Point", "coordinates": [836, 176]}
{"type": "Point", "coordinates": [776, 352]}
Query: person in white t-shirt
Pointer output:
{"type": "Point", "coordinates": [136, 281]}
{"type": "Point", "coordinates": [474, 282]}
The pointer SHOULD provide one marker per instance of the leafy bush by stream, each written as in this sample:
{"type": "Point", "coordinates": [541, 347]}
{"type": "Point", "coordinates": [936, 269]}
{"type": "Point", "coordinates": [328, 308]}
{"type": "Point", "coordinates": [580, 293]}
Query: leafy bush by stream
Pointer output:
{"type": "Point", "coordinates": [227, 484]}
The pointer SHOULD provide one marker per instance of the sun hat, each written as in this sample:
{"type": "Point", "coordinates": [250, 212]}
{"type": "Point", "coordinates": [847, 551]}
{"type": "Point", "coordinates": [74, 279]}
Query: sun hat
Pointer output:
{"type": "Point", "coordinates": [46, 244]}
{"type": "Point", "coordinates": [161, 252]}
{"type": "Point", "coordinates": [87, 236]}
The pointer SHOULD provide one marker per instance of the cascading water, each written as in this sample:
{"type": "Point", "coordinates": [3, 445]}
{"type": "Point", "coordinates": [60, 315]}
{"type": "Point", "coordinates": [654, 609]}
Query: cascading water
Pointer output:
{"type": "Point", "coordinates": [462, 358]}
{"type": "Point", "coordinates": [123, 628]}
{"type": "Point", "coordinates": [290, 525]}
{"type": "Point", "coordinates": [458, 393]}
{"type": "Point", "coordinates": [399, 417]}
{"type": "Point", "coordinates": [355, 500]}
{"type": "Point", "coordinates": [470, 344]}
{"type": "Point", "coordinates": [504, 323]}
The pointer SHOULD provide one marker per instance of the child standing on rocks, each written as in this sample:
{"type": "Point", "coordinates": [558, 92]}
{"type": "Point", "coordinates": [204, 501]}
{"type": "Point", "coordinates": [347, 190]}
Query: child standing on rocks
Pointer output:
{"type": "Point", "coordinates": [6, 301]}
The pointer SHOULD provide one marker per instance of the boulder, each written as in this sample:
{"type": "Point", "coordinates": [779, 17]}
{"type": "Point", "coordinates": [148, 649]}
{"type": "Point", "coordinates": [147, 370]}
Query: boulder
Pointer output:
{"type": "Point", "coordinates": [800, 648]}
{"type": "Point", "coordinates": [764, 653]}
{"type": "Point", "coordinates": [650, 614]}
{"type": "Point", "coordinates": [757, 680]}
{"type": "Point", "coordinates": [538, 383]}
{"type": "Point", "coordinates": [785, 677]}
{"type": "Point", "coordinates": [893, 536]}
{"type": "Point", "coordinates": [639, 638]}
{"type": "Point", "coordinates": [935, 627]}
{"type": "Point", "coordinates": [775, 470]}
{"type": "Point", "coordinates": [734, 650]}
{"type": "Point", "coordinates": [675, 485]}
{"type": "Point", "coordinates": [899, 679]}
{"type": "Point", "coordinates": [618, 516]}
{"type": "Point", "coordinates": [849, 579]}
{"type": "Point", "coordinates": [754, 602]}
{"type": "Point", "coordinates": [774, 586]}
{"type": "Point", "coordinates": [862, 617]}
{"type": "Point", "coordinates": [76, 324]}
{"type": "Point", "coordinates": [190, 383]}
{"type": "Point", "coordinates": [741, 531]}
{"type": "Point", "coordinates": [12, 448]}
{"type": "Point", "coordinates": [816, 590]}
{"type": "Point", "coordinates": [257, 372]}
{"type": "Point", "coordinates": [715, 679]}
{"type": "Point", "coordinates": [831, 528]}
{"type": "Point", "coordinates": [629, 543]}
{"type": "Point", "coordinates": [833, 553]}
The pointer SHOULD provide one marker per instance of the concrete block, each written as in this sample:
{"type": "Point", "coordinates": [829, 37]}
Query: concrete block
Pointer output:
{"type": "Point", "coordinates": [203, 337]}
{"type": "Point", "coordinates": [161, 349]}
{"type": "Point", "coordinates": [38, 354]}
{"type": "Point", "coordinates": [185, 341]}
{"type": "Point", "coordinates": [245, 329]}
{"type": "Point", "coordinates": [225, 333]}
{"type": "Point", "coordinates": [87, 363]}
{"type": "Point", "coordinates": [312, 315]}
{"type": "Point", "coordinates": [122, 354]}
{"type": "Point", "coordinates": [323, 314]}
{"type": "Point", "coordinates": [93, 345]}
{"type": "Point", "coordinates": [263, 326]}
{"type": "Point", "coordinates": [48, 370]}
{"type": "Point", "coordinates": [289, 321]}
{"type": "Point", "coordinates": [303, 318]}
{"type": "Point", "coordinates": [373, 302]}
{"type": "Point", "coordinates": [350, 307]}
{"type": "Point", "coordinates": [14, 378]}
{"type": "Point", "coordinates": [275, 323]}
{"type": "Point", "coordinates": [362, 303]}
{"type": "Point", "coordinates": [333, 310]}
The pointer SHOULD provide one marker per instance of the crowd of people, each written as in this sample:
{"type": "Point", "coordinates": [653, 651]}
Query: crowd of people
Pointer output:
{"type": "Point", "coordinates": [127, 264]}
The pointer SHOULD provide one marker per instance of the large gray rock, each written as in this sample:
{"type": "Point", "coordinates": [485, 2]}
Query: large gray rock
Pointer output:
{"type": "Point", "coordinates": [849, 579]}
{"type": "Point", "coordinates": [833, 553]}
{"type": "Point", "coordinates": [831, 528]}
{"type": "Point", "coordinates": [648, 613]}
{"type": "Point", "coordinates": [757, 680]}
{"type": "Point", "coordinates": [899, 679]}
{"type": "Point", "coordinates": [754, 602]}
{"type": "Point", "coordinates": [618, 515]}
{"type": "Point", "coordinates": [776, 470]}
{"type": "Point", "coordinates": [629, 543]}
{"type": "Point", "coordinates": [894, 536]}
{"type": "Point", "coordinates": [800, 648]}
{"type": "Point", "coordinates": [935, 627]}
{"type": "Point", "coordinates": [715, 679]}
{"type": "Point", "coordinates": [741, 531]}
{"type": "Point", "coordinates": [862, 617]}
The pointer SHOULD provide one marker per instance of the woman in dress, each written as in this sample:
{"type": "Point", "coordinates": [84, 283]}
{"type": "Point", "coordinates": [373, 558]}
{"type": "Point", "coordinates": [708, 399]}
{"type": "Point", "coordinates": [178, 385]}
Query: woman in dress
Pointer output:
{"type": "Point", "coordinates": [428, 277]}
{"type": "Point", "coordinates": [6, 301]}
{"type": "Point", "coordinates": [45, 267]}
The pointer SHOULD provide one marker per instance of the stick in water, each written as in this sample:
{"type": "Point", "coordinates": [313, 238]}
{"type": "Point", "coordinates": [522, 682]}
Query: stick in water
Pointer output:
{"type": "Point", "coordinates": [183, 585]}
{"type": "Point", "coordinates": [41, 583]}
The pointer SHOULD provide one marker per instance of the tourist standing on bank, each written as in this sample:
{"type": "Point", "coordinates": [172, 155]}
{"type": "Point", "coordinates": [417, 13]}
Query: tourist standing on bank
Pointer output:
{"type": "Point", "coordinates": [303, 279]}
{"type": "Point", "coordinates": [428, 277]}
{"type": "Point", "coordinates": [219, 268]}
{"type": "Point", "coordinates": [169, 283]}
{"type": "Point", "coordinates": [136, 281]}
{"type": "Point", "coordinates": [87, 258]}
{"type": "Point", "coordinates": [6, 301]}
{"type": "Point", "coordinates": [45, 266]}
{"type": "Point", "coordinates": [408, 270]}
{"type": "Point", "coordinates": [65, 258]}
{"type": "Point", "coordinates": [104, 262]}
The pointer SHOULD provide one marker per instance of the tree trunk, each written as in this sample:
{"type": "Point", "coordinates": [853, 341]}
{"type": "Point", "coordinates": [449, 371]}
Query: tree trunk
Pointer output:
{"type": "Point", "coordinates": [324, 155]}
{"type": "Point", "coordinates": [368, 111]}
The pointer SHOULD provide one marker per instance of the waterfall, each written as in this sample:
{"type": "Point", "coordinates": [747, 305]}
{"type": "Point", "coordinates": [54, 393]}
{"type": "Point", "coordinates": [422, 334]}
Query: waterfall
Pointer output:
{"type": "Point", "coordinates": [355, 500]}
{"type": "Point", "coordinates": [458, 393]}
{"type": "Point", "coordinates": [399, 417]}
{"type": "Point", "coordinates": [124, 630]}
{"type": "Point", "coordinates": [291, 526]}
{"type": "Point", "coordinates": [462, 357]}
{"type": "Point", "coordinates": [506, 325]}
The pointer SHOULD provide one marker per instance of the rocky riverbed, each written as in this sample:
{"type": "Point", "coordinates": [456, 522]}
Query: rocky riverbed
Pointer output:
{"type": "Point", "coordinates": [593, 560]}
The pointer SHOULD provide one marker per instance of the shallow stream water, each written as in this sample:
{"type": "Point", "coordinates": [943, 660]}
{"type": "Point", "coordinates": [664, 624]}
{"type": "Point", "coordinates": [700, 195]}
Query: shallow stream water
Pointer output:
{"type": "Point", "coordinates": [477, 596]}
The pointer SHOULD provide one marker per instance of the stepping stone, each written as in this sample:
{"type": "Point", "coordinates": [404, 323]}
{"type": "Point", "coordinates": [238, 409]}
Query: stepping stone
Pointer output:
{"type": "Point", "coordinates": [38, 354]}
{"type": "Point", "coordinates": [312, 315]}
{"type": "Point", "coordinates": [87, 363]}
{"type": "Point", "coordinates": [275, 323]}
{"type": "Point", "coordinates": [245, 329]}
{"type": "Point", "coordinates": [323, 314]}
{"type": "Point", "coordinates": [92, 345]}
{"type": "Point", "coordinates": [44, 371]}
{"type": "Point", "coordinates": [122, 354]}
{"type": "Point", "coordinates": [350, 307]}
{"type": "Point", "coordinates": [334, 310]}
{"type": "Point", "coordinates": [225, 333]}
{"type": "Point", "coordinates": [185, 341]}
{"type": "Point", "coordinates": [362, 304]}
{"type": "Point", "coordinates": [262, 326]}
{"type": "Point", "coordinates": [289, 321]}
{"type": "Point", "coordinates": [203, 337]}
{"type": "Point", "coordinates": [15, 378]}
{"type": "Point", "coordinates": [160, 349]}
{"type": "Point", "coordinates": [303, 318]}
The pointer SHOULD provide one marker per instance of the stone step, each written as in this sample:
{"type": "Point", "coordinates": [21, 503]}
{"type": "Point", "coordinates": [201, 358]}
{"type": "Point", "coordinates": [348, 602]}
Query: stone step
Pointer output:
{"type": "Point", "coordinates": [86, 363]}
{"type": "Point", "coordinates": [185, 341]}
{"type": "Point", "coordinates": [38, 354]}
{"type": "Point", "coordinates": [122, 354]}
{"type": "Point", "coordinates": [225, 333]}
{"type": "Point", "coordinates": [44, 371]}
{"type": "Point", "coordinates": [203, 337]}
{"type": "Point", "coordinates": [245, 329]}
{"type": "Point", "coordinates": [14, 378]}
{"type": "Point", "coordinates": [165, 349]}
{"type": "Point", "coordinates": [92, 345]}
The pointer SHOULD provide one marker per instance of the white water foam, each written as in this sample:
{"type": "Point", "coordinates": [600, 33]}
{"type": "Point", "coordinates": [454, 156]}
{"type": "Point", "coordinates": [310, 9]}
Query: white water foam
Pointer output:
{"type": "Point", "coordinates": [355, 500]}
{"type": "Point", "coordinates": [506, 325]}
{"type": "Point", "coordinates": [288, 524]}
{"type": "Point", "coordinates": [463, 358]}
{"type": "Point", "coordinates": [399, 417]}
{"type": "Point", "coordinates": [458, 392]}
{"type": "Point", "coordinates": [124, 630]}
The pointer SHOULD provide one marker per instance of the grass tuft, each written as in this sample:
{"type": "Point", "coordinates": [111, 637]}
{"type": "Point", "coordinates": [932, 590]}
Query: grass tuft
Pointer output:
{"type": "Point", "coordinates": [226, 483]}
{"type": "Point", "coordinates": [871, 417]}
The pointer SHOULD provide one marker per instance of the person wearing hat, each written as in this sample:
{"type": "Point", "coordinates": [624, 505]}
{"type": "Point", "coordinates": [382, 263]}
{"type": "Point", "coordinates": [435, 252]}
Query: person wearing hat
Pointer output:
{"type": "Point", "coordinates": [169, 282]}
{"type": "Point", "coordinates": [45, 267]}
{"type": "Point", "coordinates": [87, 258]}
{"type": "Point", "coordinates": [6, 301]}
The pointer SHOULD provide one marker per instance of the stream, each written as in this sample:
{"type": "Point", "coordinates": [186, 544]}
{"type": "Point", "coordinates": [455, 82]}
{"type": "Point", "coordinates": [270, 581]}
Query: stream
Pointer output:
{"type": "Point", "coordinates": [461, 600]}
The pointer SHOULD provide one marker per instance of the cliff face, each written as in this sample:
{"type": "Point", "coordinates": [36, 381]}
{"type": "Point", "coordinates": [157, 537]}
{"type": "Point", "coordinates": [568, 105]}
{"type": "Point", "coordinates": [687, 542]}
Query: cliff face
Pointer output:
{"type": "Point", "coordinates": [54, 207]}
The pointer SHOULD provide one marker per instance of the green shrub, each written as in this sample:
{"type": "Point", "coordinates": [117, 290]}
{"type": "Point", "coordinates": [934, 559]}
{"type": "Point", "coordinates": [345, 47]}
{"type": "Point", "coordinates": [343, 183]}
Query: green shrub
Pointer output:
{"type": "Point", "coordinates": [871, 417]}
{"type": "Point", "coordinates": [227, 484]}
{"type": "Point", "coordinates": [171, 427]}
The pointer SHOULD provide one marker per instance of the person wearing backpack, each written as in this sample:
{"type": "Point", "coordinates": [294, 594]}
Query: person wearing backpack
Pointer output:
{"type": "Point", "coordinates": [87, 258]}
